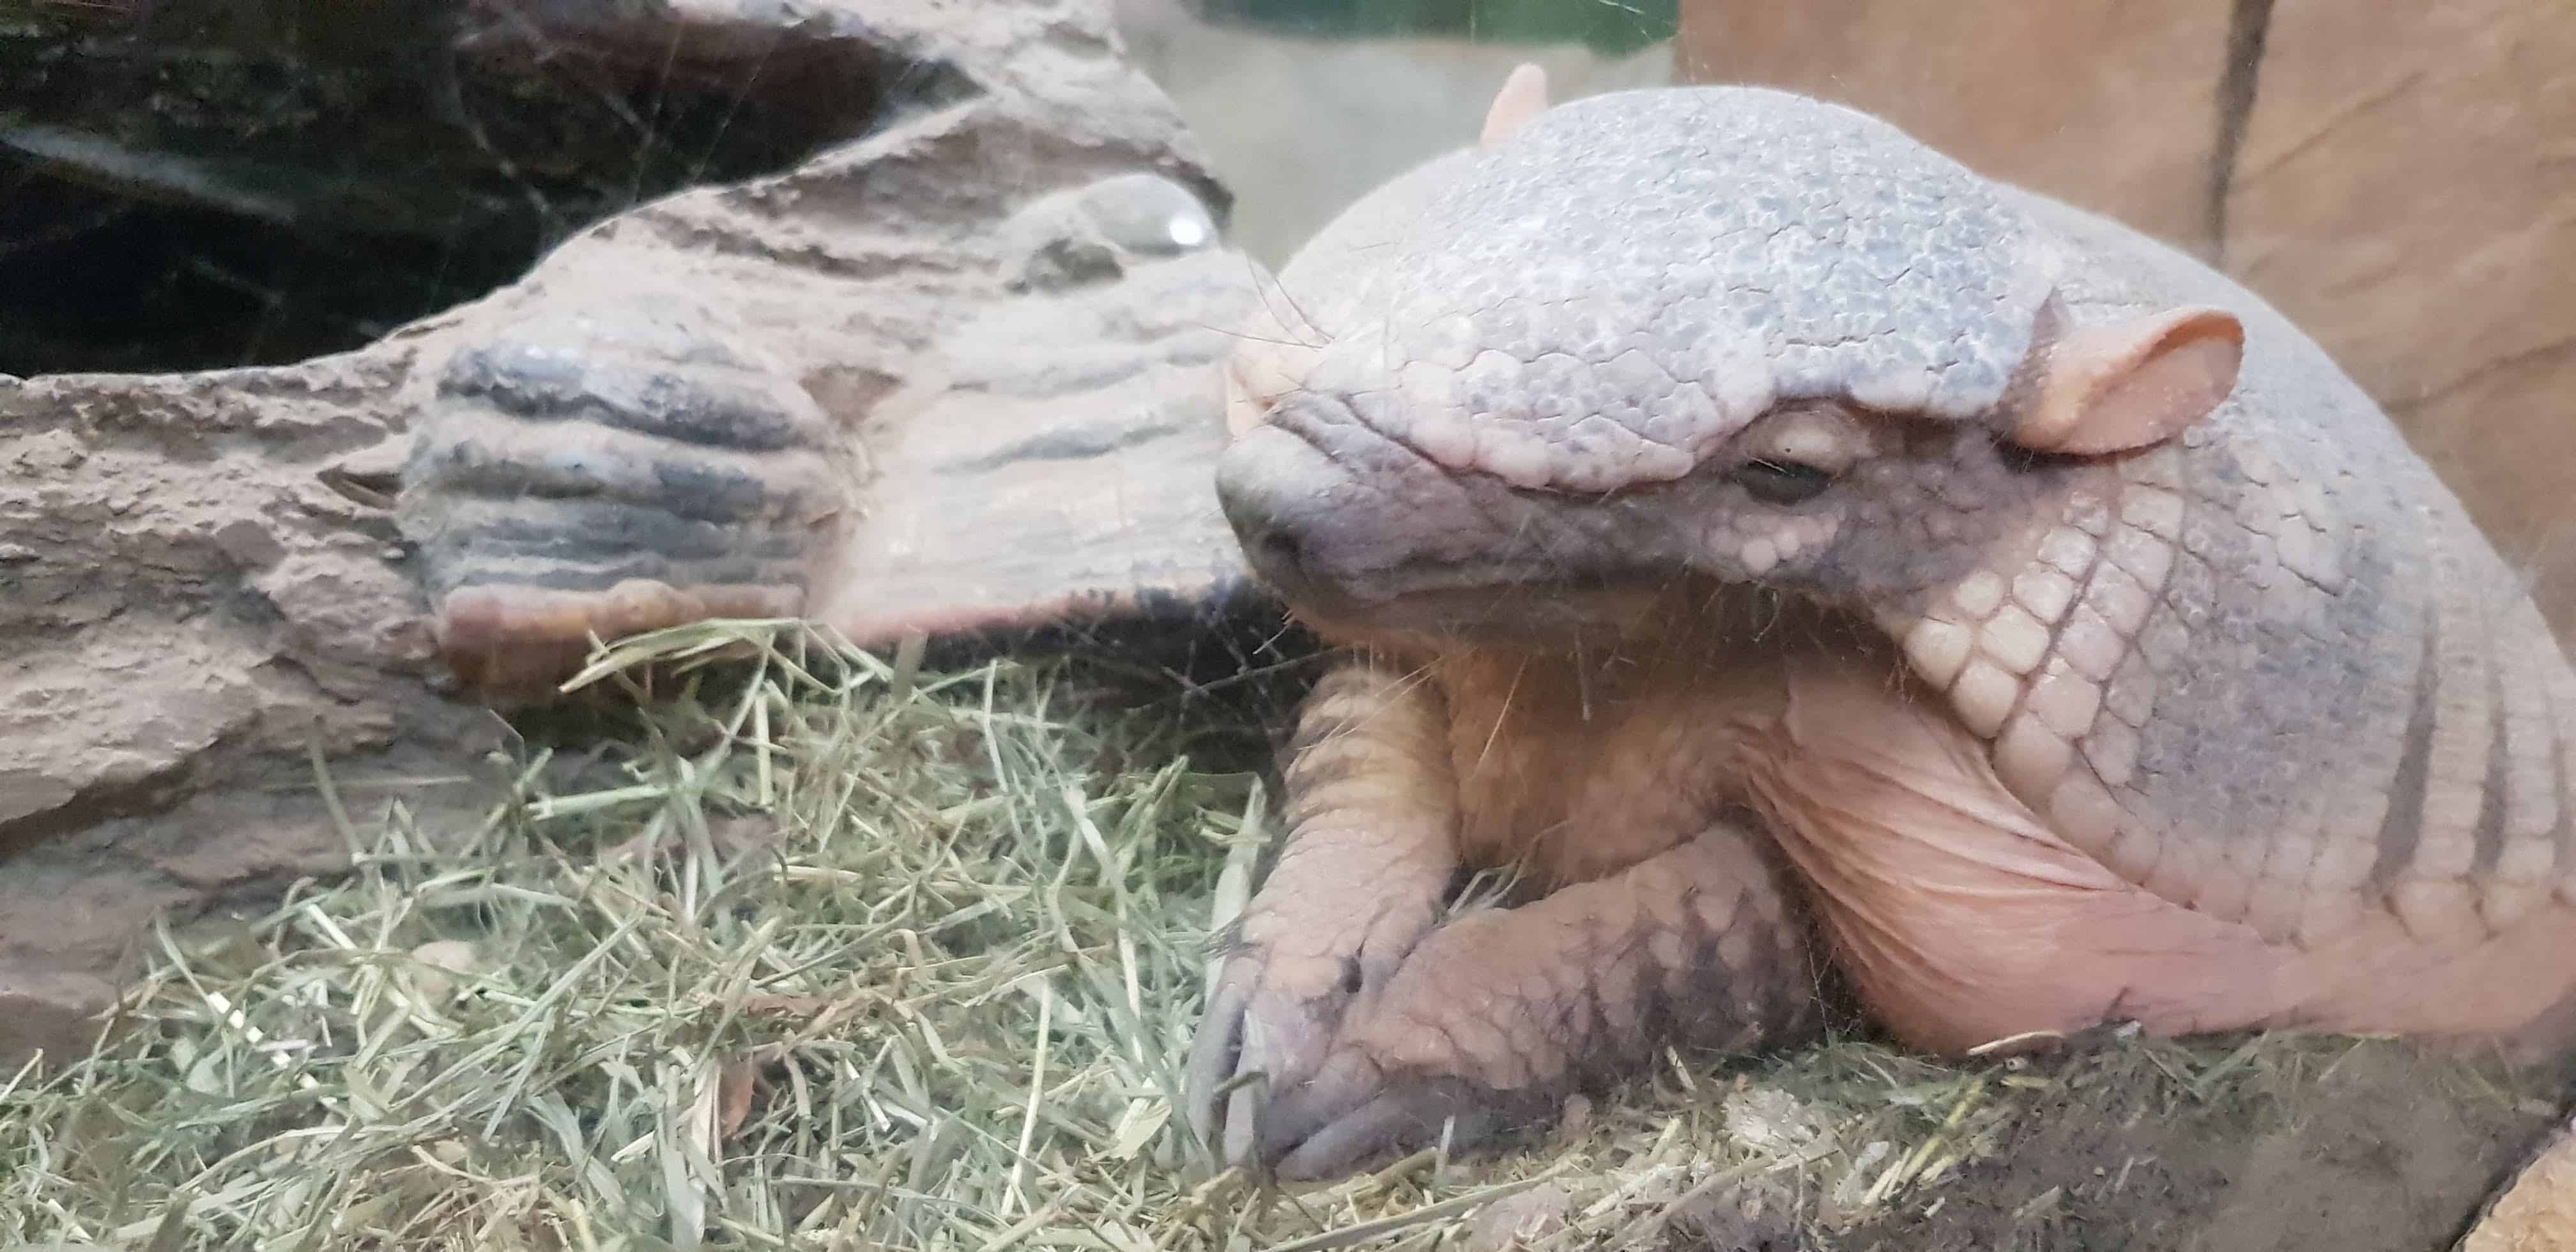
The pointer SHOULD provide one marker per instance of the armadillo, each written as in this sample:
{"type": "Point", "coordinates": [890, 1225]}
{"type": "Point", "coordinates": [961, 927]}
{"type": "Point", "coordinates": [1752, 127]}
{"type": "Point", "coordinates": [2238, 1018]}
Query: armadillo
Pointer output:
{"type": "Point", "coordinates": [1787, 551]}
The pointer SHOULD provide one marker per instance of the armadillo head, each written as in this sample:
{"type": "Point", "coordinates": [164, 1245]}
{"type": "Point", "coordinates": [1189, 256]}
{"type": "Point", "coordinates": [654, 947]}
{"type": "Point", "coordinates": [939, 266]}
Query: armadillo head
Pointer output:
{"type": "Point", "coordinates": [1649, 338]}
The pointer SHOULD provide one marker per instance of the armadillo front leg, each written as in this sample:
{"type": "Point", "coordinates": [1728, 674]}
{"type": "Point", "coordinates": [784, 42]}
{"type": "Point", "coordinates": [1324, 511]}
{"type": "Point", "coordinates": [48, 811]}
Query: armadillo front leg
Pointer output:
{"type": "Point", "coordinates": [1367, 864]}
{"type": "Point", "coordinates": [1499, 1014]}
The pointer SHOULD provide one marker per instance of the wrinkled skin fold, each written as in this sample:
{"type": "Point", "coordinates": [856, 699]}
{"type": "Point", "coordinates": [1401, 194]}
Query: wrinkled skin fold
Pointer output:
{"type": "Point", "coordinates": [1788, 551]}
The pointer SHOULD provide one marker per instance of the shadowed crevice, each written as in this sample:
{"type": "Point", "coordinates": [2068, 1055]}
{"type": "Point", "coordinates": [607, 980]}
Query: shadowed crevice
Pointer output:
{"type": "Point", "coordinates": [203, 184]}
{"type": "Point", "coordinates": [2249, 22]}
{"type": "Point", "coordinates": [2401, 830]}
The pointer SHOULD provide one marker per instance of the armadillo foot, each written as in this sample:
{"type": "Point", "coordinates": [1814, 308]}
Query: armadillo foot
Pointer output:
{"type": "Point", "coordinates": [1495, 1017]}
{"type": "Point", "coordinates": [1354, 1112]}
{"type": "Point", "coordinates": [1278, 1001]}
{"type": "Point", "coordinates": [606, 473]}
{"type": "Point", "coordinates": [1468, 1040]}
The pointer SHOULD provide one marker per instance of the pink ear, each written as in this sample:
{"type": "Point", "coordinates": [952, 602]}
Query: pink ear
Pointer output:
{"type": "Point", "coordinates": [1523, 97]}
{"type": "Point", "coordinates": [2134, 383]}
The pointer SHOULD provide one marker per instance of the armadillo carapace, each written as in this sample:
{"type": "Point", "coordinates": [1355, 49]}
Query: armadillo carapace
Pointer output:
{"type": "Point", "coordinates": [1788, 548]}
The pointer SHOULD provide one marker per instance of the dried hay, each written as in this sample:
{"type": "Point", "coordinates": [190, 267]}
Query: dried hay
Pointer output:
{"type": "Point", "coordinates": [854, 957]}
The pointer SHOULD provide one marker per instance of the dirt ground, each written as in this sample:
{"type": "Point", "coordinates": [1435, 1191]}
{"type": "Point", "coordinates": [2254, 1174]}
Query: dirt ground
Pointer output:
{"type": "Point", "coordinates": [2362, 1146]}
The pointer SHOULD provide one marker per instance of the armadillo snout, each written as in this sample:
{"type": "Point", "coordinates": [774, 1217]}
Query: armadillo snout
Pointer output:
{"type": "Point", "coordinates": [1343, 521]}
{"type": "Point", "coordinates": [1275, 489]}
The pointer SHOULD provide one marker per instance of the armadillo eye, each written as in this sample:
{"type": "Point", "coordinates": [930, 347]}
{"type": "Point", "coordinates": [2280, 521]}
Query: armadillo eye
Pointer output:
{"type": "Point", "coordinates": [1781, 482]}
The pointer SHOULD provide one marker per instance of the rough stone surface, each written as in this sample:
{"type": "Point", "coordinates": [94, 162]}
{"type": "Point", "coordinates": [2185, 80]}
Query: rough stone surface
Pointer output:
{"type": "Point", "coordinates": [914, 297]}
{"type": "Point", "coordinates": [208, 578]}
{"type": "Point", "coordinates": [195, 591]}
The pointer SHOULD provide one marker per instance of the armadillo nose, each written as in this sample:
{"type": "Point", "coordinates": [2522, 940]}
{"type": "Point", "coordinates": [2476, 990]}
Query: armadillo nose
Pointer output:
{"type": "Point", "coordinates": [1274, 488]}
{"type": "Point", "coordinates": [1278, 556]}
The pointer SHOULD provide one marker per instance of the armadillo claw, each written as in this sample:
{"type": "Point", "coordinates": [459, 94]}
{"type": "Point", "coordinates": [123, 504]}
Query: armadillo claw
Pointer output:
{"type": "Point", "coordinates": [1354, 1111]}
{"type": "Point", "coordinates": [1376, 1061]}
{"type": "Point", "coordinates": [1267, 1027]}
{"type": "Point", "coordinates": [1448, 1049]}
{"type": "Point", "coordinates": [1309, 951]}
